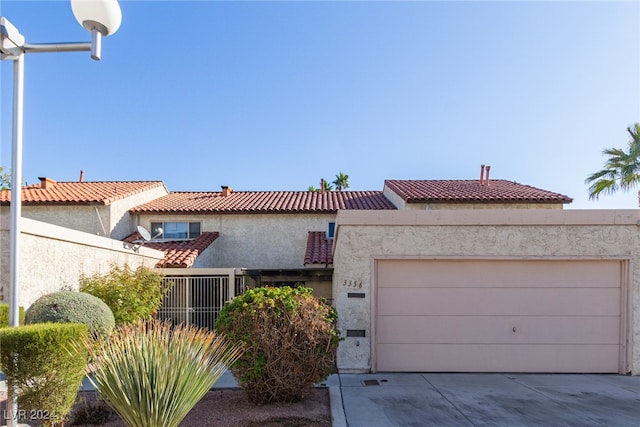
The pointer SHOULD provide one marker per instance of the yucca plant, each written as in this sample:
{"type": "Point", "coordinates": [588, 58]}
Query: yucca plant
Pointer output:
{"type": "Point", "coordinates": [153, 374]}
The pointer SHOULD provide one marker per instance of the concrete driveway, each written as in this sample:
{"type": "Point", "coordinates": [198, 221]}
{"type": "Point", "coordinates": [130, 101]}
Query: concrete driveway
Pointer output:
{"type": "Point", "coordinates": [396, 399]}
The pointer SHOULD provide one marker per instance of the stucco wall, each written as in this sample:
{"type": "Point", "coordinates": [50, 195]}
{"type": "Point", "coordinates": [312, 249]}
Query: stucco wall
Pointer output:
{"type": "Point", "coordinates": [52, 257]}
{"type": "Point", "coordinates": [111, 220]}
{"type": "Point", "coordinates": [393, 197]}
{"type": "Point", "coordinates": [206, 258]}
{"type": "Point", "coordinates": [81, 218]}
{"type": "Point", "coordinates": [254, 241]}
{"type": "Point", "coordinates": [121, 223]}
{"type": "Point", "coordinates": [363, 237]}
{"type": "Point", "coordinates": [435, 206]}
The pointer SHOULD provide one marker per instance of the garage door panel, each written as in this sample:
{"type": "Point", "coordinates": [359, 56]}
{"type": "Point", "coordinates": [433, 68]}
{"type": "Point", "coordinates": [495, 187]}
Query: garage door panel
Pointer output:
{"type": "Point", "coordinates": [460, 315]}
{"type": "Point", "coordinates": [497, 330]}
{"type": "Point", "coordinates": [499, 301]}
{"type": "Point", "coordinates": [498, 358]}
{"type": "Point", "coordinates": [505, 273]}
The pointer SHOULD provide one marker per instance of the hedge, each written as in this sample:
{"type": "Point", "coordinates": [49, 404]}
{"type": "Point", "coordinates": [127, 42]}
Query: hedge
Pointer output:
{"type": "Point", "coordinates": [42, 362]}
{"type": "Point", "coordinates": [4, 315]}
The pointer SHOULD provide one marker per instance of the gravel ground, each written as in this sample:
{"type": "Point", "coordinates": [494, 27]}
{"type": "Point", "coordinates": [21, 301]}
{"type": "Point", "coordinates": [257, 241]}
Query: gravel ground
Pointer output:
{"type": "Point", "coordinates": [230, 408]}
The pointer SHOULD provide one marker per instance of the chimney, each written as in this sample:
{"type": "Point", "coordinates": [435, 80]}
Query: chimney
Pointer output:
{"type": "Point", "coordinates": [322, 185]}
{"type": "Point", "coordinates": [486, 181]}
{"type": "Point", "coordinates": [46, 182]}
{"type": "Point", "coordinates": [481, 174]}
{"type": "Point", "coordinates": [81, 176]}
{"type": "Point", "coordinates": [226, 190]}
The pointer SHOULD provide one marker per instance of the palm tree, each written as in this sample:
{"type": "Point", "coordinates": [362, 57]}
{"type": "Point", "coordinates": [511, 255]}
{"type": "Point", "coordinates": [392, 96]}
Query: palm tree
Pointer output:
{"type": "Point", "coordinates": [621, 170]}
{"type": "Point", "coordinates": [341, 181]}
{"type": "Point", "coordinates": [327, 185]}
{"type": "Point", "coordinates": [312, 188]}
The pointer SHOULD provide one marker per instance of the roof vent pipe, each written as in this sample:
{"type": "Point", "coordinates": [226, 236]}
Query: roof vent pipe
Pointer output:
{"type": "Point", "coordinates": [322, 185]}
{"type": "Point", "coordinates": [487, 177]}
{"type": "Point", "coordinates": [81, 176]}
{"type": "Point", "coordinates": [481, 174]}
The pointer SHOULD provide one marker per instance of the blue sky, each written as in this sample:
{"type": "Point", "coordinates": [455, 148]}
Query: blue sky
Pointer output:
{"type": "Point", "coordinates": [275, 95]}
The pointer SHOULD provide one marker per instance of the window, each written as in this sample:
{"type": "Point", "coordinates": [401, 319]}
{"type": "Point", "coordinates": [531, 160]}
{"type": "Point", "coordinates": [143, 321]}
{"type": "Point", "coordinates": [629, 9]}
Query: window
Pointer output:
{"type": "Point", "coordinates": [331, 229]}
{"type": "Point", "coordinates": [175, 230]}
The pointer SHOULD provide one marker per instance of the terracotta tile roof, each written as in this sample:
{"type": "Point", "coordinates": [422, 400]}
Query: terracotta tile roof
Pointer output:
{"type": "Point", "coordinates": [79, 193]}
{"type": "Point", "coordinates": [178, 254]}
{"type": "Point", "coordinates": [499, 191]}
{"type": "Point", "coordinates": [264, 202]}
{"type": "Point", "coordinates": [319, 249]}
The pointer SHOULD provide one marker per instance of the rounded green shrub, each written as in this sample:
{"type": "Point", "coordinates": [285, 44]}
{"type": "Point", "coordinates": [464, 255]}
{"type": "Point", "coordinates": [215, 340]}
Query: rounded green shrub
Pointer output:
{"type": "Point", "coordinates": [290, 341]}
{"type": "Point", "coordinates": [45, 364]}
{"type": "Point", "coordinates": [72, 307]}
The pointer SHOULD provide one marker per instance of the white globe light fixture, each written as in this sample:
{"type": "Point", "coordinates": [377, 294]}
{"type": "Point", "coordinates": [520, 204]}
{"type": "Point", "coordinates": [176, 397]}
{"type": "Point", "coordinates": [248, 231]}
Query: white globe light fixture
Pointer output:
{"type": "Point", "coordinates": [100, 18]}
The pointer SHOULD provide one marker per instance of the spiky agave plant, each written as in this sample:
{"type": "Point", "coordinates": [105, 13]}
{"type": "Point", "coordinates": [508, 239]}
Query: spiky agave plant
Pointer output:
{"type": "Point", "coordinates": [153, 374]}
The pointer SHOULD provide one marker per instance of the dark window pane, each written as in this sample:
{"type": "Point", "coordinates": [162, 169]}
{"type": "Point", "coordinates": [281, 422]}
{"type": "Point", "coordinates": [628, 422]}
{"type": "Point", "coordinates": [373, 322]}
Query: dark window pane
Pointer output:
{"type": "Point", "coordinates": [331, 228]}
{"type": "Point", "coordinates": [194, 229]}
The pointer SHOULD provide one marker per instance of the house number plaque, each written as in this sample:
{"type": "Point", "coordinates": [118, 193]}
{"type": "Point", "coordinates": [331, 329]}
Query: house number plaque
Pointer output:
{"type": "Point", "coordinates": [356, 284]}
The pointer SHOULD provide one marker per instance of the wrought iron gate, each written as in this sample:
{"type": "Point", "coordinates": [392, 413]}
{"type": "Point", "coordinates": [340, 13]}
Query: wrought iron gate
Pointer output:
{"type": "Point", "coordinates": [197, 295]}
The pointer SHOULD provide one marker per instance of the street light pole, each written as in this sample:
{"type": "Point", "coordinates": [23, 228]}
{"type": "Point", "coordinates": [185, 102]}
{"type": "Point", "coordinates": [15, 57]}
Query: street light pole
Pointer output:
{"type": "Point", "coordinates": [16, 174]}
{"type": "Point", "coordinates": [100, 18]}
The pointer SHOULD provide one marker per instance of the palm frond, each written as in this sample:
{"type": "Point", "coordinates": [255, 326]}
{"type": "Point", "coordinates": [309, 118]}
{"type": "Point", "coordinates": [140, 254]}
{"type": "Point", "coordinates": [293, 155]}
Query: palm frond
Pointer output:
{"type": "Point", "coordinates": [621, 170]}
{"type": "Point", "coordinates": [342, 181]}
{"type": "Point", "coordinates": [606, 186]}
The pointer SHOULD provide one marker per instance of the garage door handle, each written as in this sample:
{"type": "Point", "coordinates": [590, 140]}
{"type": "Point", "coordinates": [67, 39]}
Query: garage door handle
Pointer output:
{"type": "Point", "coordinates": [514, 329]}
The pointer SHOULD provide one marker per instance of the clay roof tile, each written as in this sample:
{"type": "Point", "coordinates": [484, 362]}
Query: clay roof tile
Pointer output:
{"type": "Point", "coordinates": [465, 191]}
{"type": "Point", "coordinates": [264, 202]}
{"type": "Point", "coordinates": [80, 193]}
{"type": "Point", "coordinates": [178, 254]}
{"type": "Point", "coordinates": [319, 249]}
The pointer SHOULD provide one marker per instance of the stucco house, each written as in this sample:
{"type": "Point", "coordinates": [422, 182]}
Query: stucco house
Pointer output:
{"type": "Point", "coordinates": [279, 237]}
{"type": "Point", "coordinates": [68, 230]}
{"type": "Point", "coordinates": [468, 277]}
{"type": "Point", "coordinates": [426, 275]}
{"type": "Point", "coordinates": [276, 237]}
{"type": "Point", "coordinates": [99, 208]}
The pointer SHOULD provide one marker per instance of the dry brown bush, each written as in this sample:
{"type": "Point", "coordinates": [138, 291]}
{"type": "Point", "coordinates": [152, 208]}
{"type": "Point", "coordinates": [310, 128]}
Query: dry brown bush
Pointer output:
{"type": "Point", "coordinates": [290, 341]}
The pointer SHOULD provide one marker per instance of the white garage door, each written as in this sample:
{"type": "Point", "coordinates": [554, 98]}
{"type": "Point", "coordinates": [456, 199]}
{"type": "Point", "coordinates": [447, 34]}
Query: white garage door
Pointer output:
{"type": "Point", "coordinates": [498, 316]}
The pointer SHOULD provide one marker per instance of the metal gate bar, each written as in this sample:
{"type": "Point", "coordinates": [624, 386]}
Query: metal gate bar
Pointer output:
{"type": "Point", "coordinates": [197, 299]}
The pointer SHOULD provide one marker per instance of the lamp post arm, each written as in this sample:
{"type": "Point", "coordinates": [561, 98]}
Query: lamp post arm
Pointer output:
{"type": "Point", "coordinates": [56, 47]}
{"type": "Point", "coordinates": [95, 46]}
